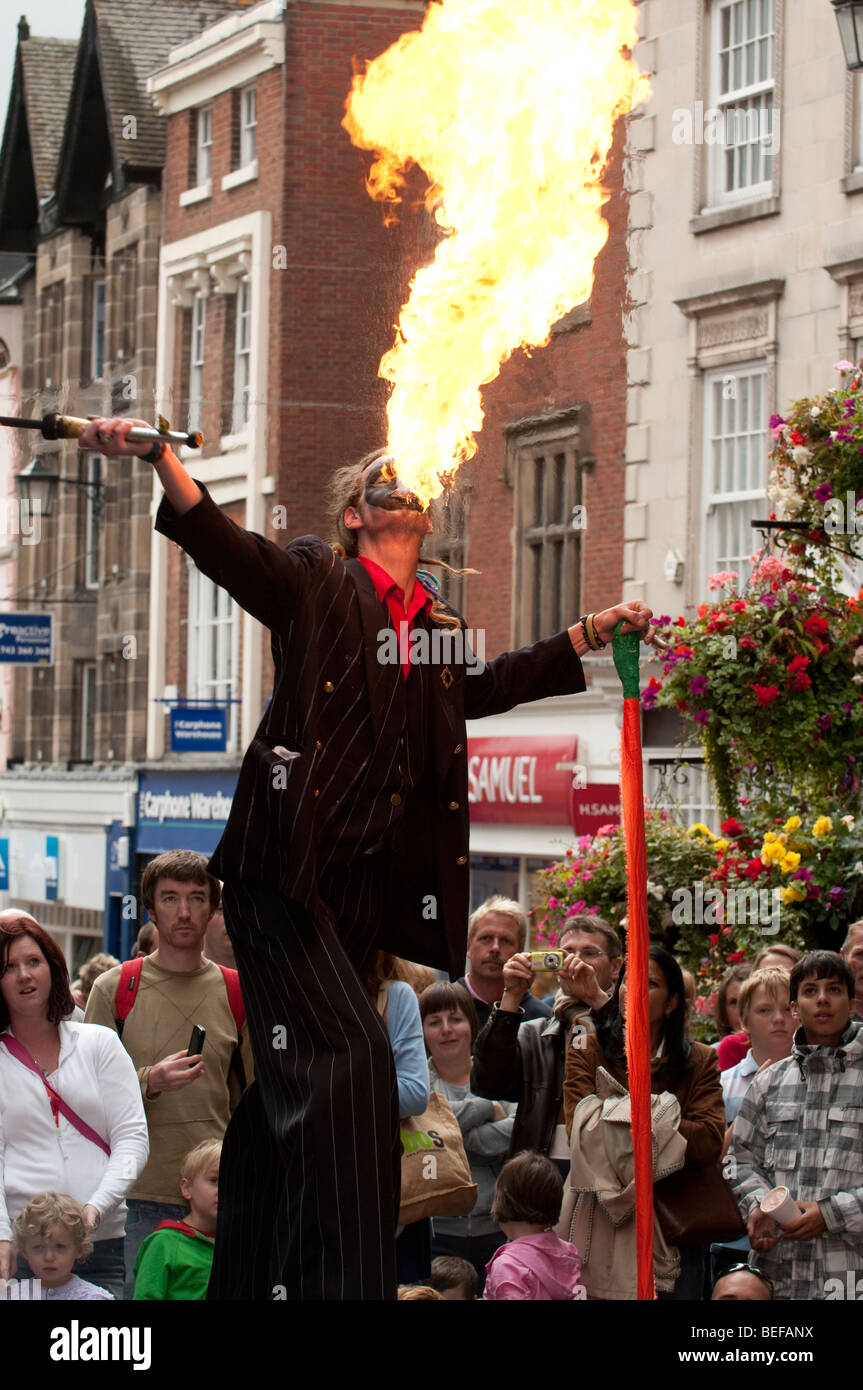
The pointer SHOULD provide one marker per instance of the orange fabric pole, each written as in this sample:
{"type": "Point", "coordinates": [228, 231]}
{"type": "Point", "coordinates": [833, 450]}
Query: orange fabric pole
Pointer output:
{"type": "Point", "coordinates": [637, 1021]}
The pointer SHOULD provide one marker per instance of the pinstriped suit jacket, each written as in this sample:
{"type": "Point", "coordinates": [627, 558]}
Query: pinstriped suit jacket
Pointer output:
{"type": "Point", "coordinates": [331, 700]}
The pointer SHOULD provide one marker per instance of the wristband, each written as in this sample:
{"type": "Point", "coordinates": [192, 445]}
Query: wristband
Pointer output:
{"type": "Point", "coordinates": [591, 623]}
{"type": "Point", "coordinates": [157, 452]}
{"type": "Point", "coordinates": [591, 636]}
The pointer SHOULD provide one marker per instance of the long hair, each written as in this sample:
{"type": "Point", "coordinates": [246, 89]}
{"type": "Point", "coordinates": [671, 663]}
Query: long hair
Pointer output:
{"type": "Point", "coordinates": [676, 1050]}
{"type": "Point", "coordinates": [736, 975]}
{"type": "Point", "coordinates": [60, 1001]}
{"type": "Point", "coordinates": [345, 490]}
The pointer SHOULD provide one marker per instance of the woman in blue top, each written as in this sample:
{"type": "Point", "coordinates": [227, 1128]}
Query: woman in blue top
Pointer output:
{"type": "Point", "coordinates": [397, 1005]}
{"type": "Point", "coordinates": [450, 1027]}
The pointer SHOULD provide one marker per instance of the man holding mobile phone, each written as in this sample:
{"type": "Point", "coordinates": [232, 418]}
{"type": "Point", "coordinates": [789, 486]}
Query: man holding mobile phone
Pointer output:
{"type": "Point", "coordinates": [179, 996]}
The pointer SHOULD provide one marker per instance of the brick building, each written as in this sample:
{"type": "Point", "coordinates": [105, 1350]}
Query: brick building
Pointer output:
{"type": "Point", "coordinates": [80, 175]}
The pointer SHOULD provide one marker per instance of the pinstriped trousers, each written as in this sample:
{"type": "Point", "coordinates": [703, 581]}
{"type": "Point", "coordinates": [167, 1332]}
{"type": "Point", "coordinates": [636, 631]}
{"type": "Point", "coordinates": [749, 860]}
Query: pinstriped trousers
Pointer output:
{"type": "Point", "coordinates": [310, 1171]}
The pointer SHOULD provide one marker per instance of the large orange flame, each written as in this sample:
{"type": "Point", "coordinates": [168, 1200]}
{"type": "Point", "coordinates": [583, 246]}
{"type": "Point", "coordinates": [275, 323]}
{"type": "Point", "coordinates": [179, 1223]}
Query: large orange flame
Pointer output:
{"type": "Point", "coordinates": [509, 108]}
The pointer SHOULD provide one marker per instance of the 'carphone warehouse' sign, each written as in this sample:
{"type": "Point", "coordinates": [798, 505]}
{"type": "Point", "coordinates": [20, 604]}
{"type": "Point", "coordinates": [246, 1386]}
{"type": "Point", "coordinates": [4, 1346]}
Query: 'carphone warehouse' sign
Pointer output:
{"type": "Point", "coordinates": [26, 638]}
{"type": "Point", "coordinates": [179, 810]}
{"type": "Point", "coordinates": [199, 731]}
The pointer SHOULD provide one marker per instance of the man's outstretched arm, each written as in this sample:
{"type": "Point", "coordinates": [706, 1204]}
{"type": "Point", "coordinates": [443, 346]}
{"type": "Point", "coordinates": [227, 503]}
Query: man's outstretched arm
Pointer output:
{"type": "Point", "coordinates": [549, 667]}
{"type": "Point", "coordinates": [258, 574]}
{"type": "Point", "coordinates": [109, 437]}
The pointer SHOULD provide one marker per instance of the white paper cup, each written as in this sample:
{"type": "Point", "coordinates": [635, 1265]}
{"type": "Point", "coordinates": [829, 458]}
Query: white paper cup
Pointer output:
{"type": "Point", "coordinates": [780, 1205]}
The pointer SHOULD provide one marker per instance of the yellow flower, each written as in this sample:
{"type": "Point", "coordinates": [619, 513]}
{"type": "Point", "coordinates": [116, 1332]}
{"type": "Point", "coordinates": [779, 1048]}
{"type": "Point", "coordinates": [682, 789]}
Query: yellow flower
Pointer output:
{"type": "Point", "coordinates": [770, 837]}
{"type": "Point", "coordinates": [822, 827]}
{"type": "Point", "coordinates": [700, 829]}
{"type": "Point", "coordinates": [794, 893]}
{"type": "Point", "coordinates": [771, 854]}
{"type": "Point", "coordinates": [721, 846]}
{"type": "Point", "coordinates": [793, 823]}
{"type": "Point", "coordinates": [790, 862]}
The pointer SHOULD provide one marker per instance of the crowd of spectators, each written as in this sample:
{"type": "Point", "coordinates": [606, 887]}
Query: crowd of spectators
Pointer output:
{"type": "Point", "coordinates": [110, 1135]}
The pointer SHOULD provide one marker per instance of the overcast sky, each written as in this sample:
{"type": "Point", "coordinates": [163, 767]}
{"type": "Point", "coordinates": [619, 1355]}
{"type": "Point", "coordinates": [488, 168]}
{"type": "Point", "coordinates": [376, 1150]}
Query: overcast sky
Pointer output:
{"type": "Point", "coordinates": [56, 19]}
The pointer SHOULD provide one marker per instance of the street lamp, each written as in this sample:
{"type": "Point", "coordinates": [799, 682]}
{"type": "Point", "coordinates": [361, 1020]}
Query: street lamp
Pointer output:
{"type": "Point", "coordinates": [37, 485]}
{"type": "Point", "coordinates": [849, 17]}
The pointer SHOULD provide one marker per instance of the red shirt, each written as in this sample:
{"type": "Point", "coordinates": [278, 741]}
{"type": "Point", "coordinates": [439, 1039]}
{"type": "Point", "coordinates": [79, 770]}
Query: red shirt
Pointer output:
{"type": "Point", "coordinates": [389, 592]}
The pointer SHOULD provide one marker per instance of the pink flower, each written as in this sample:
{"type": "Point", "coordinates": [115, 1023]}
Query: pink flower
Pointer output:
{"type": "Point", "coordinates": [843, 366]}
{"type": "Point", "coordinates": [722, 580]}
{"type": "Point", "coordinates": [576, 908]}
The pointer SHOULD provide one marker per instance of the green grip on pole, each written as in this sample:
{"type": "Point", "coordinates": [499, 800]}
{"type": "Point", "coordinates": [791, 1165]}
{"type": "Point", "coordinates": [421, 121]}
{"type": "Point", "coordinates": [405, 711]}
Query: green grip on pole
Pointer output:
{"type": "Point", "coordinates": [626, 650]}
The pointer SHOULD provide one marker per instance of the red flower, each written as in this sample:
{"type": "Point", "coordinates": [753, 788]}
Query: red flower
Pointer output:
{"type": "Point", "coordinates": [765, 694]}
{"type": "Point", "coordinates": [739, 606]}
{"type": "Point", "coordinates": [797, 438]}
{"type": "Point", "coordinates": [732, 826]}
{"type": "Point", "coordinates": [821, 647]}
{"type": "Point", "coordinates": [798, 664]}
{"type": "Point", "coordinates": [719, 622]}
{"type": "Point", "coordinates": [714, 940]}
{"type": "Point", "coordinates": [748, 644]}
{"type": "Point", "coordinates": [800, 682]}
{"type": "Point", "coordinates": [753, 869]}
{"type": "Point", "coordinates": [702, 610]}
{"type": "Point", "coordinates": [680, 622]}
{"type": "Point", "coordinates": [735, 956]}
{"type": "Point", "coordinates": [683, 651]}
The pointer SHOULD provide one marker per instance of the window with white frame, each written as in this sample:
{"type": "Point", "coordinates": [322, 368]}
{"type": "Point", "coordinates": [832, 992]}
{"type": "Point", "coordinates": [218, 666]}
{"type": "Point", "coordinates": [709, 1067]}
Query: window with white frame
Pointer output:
{"type": "Point", "coordinates": [242, 357]}
{"type": "Point", "coordinates": [196, 362]}
{"type": "Point", "coordinates": [739, 130]}
{"type": "Point", "coordinates": [97, 329]}
{"type": "Point", "coordinates": [203, 145]}
{"type": "Point", "coordinates": [93, 502]}
{"type": "Point", "coordinates": [87, 710]}
{"type": "Point", "coordinates": [735, 466]}
{"type": "Point", "coordinates": [212, 646]}
{"type": "Point", "coordinates": [248, 126]}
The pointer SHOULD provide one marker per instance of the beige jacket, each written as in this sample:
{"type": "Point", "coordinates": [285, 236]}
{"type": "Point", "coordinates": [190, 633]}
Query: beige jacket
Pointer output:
{"type": "Point", "coordinates": [598, 1213]}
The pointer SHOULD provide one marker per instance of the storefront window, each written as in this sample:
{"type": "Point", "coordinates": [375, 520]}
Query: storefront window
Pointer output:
{"type": "Point", "coordinates": [492, 874]}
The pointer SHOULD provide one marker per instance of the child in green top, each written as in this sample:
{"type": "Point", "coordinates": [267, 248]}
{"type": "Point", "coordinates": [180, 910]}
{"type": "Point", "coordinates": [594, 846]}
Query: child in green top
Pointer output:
{"type": "Point", "coordinates": [175, 1261]}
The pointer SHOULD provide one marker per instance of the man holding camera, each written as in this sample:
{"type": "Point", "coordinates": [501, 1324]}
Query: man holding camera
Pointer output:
{"type": "Point", "coordinates": [516, 1058]}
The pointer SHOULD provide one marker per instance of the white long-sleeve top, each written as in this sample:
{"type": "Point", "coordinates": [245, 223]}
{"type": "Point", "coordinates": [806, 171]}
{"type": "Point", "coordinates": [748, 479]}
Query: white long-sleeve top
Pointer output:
{"type": "Point", "coordinates": [95, 1076]}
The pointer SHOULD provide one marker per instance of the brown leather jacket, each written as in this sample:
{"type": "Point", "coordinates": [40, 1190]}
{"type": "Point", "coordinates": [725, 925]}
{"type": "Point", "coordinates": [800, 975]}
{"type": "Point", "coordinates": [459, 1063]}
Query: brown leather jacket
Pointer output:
{"type": "Point", "coordinates": [699, 1093]}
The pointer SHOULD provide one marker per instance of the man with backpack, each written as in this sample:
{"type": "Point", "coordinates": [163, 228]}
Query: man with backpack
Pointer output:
{"type": "Point", "coordinates": [154, 1003]}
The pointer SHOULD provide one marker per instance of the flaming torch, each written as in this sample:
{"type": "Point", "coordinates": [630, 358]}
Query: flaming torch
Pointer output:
{"type": "Point", "coordinates": [509, 109]}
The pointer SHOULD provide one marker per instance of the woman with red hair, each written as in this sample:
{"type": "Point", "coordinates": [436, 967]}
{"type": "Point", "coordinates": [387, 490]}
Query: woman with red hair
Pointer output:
{"type": "Point", "coordinates": [71, 1114]}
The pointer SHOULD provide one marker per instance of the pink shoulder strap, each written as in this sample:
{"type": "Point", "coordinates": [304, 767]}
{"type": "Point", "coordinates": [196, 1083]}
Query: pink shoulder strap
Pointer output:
{"type": "Point", "coordinates": [23, 1056]}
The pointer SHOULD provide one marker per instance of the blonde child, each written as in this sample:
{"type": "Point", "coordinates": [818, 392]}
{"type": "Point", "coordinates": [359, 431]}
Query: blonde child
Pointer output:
{"type": "Point", "coordinates": [175, 1261]}
{"type": "Point", "coordinates": [50, 1234]}
{"type": "Point", "coordinates": [535, 1264]}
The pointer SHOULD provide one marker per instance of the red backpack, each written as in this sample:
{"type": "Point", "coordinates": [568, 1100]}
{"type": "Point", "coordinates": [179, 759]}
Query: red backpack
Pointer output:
{"type": "Point", "coordinates": [130, 978]}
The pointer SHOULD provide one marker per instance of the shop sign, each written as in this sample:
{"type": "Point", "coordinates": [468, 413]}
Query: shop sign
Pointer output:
{"type": "Point", "coordinates": [524, 781]}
